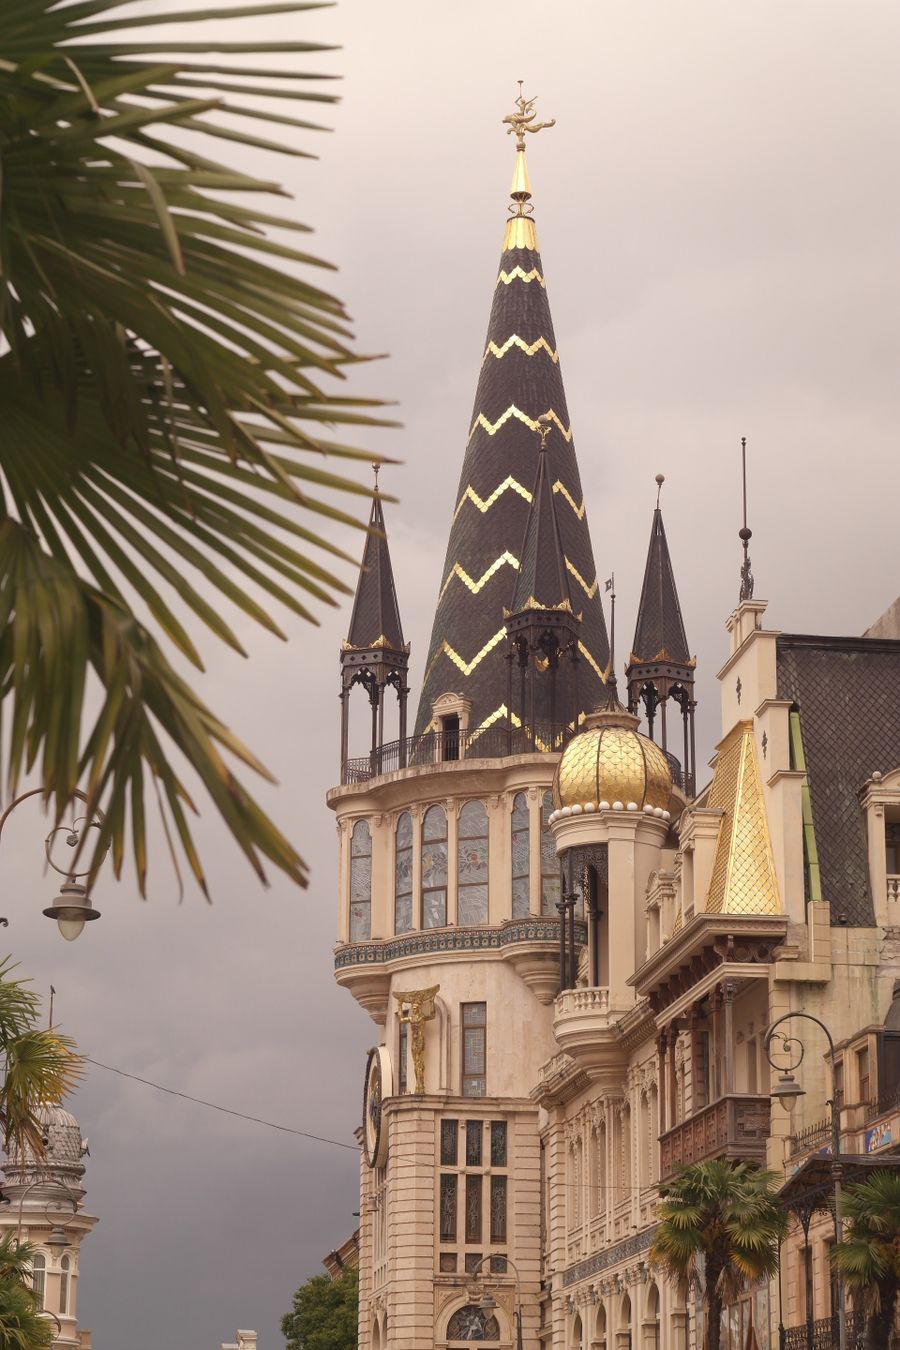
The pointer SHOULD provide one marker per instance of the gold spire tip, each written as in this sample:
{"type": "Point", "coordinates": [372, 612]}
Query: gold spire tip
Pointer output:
{"type": "Point", "coordinates": [520, 232]}
{"type": "Point", "coordinates": [523, 119]}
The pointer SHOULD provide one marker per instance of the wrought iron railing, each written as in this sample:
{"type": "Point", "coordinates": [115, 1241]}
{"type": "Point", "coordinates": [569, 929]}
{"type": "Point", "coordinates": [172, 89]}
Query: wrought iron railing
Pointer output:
{"type": "Point", "coordinates": [822, 1334]}
{"type": "Point", "coordinates": [440, 747]}
{"type": "Point", "coordinates": [885, 1101]}
{"type": "Point", "coordinates": [812, 1137]}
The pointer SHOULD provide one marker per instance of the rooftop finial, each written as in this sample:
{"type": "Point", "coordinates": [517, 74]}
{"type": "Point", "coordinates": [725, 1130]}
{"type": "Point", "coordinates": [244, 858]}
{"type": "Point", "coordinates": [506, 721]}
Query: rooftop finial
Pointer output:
{"type": "Point", "coordinates": [544, 427]}
{"type": "Point", "coordinates": [523, 120]}
{"type": "Point", "coordinates": [375, 468]}
{"type": "Point", "coordinates": [745, 534]}
{"type": "Point", "coordinates": [611, 682]}
{"type": "Point", "coordinates": [660, 479]}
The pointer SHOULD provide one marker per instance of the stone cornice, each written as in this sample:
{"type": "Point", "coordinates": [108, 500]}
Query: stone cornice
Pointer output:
{"type": "Point", "coordinates": [611, 1256]}
{"type": "Point", "coordinates": [706, 933]}
{"type": "Point", "coordinates": [456, 777]}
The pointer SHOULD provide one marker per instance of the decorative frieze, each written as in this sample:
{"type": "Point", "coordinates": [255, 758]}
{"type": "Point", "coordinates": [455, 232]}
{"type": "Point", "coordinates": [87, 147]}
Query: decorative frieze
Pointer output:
{"type": "Point", "coordinates": [611, 1256]}
{"type": "Point", "coordinates": [438, 940]}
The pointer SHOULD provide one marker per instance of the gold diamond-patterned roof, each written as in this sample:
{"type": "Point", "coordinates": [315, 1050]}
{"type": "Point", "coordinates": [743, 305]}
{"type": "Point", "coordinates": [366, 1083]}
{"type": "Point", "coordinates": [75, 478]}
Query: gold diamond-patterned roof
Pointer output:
{"type": "Point", "coordinates": [743, 877]}
{"type": "Point", "coordinates": [612, 764]}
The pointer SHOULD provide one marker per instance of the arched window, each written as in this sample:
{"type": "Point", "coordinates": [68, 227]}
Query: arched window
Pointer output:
{"type": "Point", "coordinates": [521, 847]}
{"type": "Point", "coordinates": [625, 1315]}
{"type": "Point", "coordinates": [598, 1141]}
{"type": "Point", "coordinates": [434, 868]}
{"type": "Point", "coordinates": [646, 1142]}
{"type": "Point", "coordinates": [403, 882]}
{"type": "Point", "coordinates": [576, 1332]}
{"type": "Point", "coordinates": [472, 1324]}
{"type": "Point", "coordinates": [549, 861]}
{"type": "Point", "coordinates": [65, 1266]}
{"type": "Point", "coordinates": [39, 1276]}
{"type": "Point", "coordinates": [627, 1175]}
{"type": "Point", "coordinates": [472, 864]}
{"type": "Point", "coordinates": [601, 1327]}
{"type": "Point", "coordinates": [654, 1133]}
{"type": "Point", "coordinates": [360, 882]}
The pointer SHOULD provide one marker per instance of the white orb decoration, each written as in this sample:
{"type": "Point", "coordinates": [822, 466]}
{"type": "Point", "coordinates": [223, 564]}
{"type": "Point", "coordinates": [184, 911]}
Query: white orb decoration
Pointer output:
{"type": "Point", "coordinates": [657, 811]}
{"type": "Point", "coordinates": [576, 810]}
{"type": "Point", "coordinates": [632, 806]}
{"type": "Point", "coordinates": [648, 810]}
{"type": "Point", "coordinates": [667, 815]}
{"type": "Point", "coordinates": [590, 806]}
{"type": "Point", "coordinates": [604, 806]}
{"type": "Point", "coordinates": [566, 811]}
{"type": "Point", "coordinates": [617, 806]}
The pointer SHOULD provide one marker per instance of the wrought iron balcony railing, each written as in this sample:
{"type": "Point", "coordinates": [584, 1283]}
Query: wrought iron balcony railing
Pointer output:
{"type": "Point", "coordinates": [733, 1127]}
{"type": "Point", "coordinates": [822, 1334]}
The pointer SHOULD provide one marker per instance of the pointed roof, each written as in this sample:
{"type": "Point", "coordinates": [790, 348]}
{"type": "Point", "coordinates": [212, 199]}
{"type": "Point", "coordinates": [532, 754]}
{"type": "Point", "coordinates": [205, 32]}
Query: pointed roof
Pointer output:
{"type": "Point", "coordinates": [743, 878]}
{"type": "Point", "coordinates": [520, 381]}
{"type": "Point", "coordinates": [659, 633]}
{"type": "Point", "coordinates": [375, 621]}
{"type": "Point", "coordinates": [542, 579]}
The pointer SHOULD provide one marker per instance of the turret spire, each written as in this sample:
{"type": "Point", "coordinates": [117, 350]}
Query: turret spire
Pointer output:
{"type": "Point", "coordinates": [660, 666]}
{"type": "Point", "coordinates": [520, 383]}
{"type": "Point", "coordinates": [374, 654]}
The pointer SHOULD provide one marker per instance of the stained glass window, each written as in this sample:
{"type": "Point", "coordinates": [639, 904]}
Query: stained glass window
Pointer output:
{"type": "Point", "coordinates": [472, 864]}
{"type": "Point", "coordinates": [402, 1055]}
{"type": "Point", "coordinates": [360, 882]}
{"type": "Point", "coordinates": [403, 906]}
{"type": "Point", "coordinates": [473, 1262]}
{"type": "Point", "coordinates": [474, 1137]}
{"type": "Point", "coordinates": [498, 1265]}
{"type": "Point", "coordinates": [434, 868]}
{"type": "Point", "coordinates": [474, 1049]}
{"type": "Point", "coordinates": [549, 861]}
{"type": "Point", "coordinates": [39, 1277]}
{"type": "Point", "coordinates": [471, 1323]}
{"type": "Point", "coordinates": [64, 1267]}
{"type": "Point", "coordinates": [498, 1143]}
{"type": "Point", "coordinates": [498, 1209]}
{"type": "Point", "coordinates": [448, 1206]}
{"type": "Point", "coordinates": [473, 1207]}
{"type": "Point", "coordinates": [520, 857]}
{"type": "Point", "coordinates": [448, 1263]}
{"type": "Point", "coordinates": [449, 1142]}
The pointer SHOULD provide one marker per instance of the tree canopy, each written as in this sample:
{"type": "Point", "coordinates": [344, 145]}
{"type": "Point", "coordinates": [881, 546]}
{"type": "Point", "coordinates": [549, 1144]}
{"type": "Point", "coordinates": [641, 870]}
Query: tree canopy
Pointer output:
{"type": "Point", "coordinates": [869, 1255]}
{"type": "Point", "coordinates": [169, 378]}
{"type": "Point", "coordinates": [324, 1315]}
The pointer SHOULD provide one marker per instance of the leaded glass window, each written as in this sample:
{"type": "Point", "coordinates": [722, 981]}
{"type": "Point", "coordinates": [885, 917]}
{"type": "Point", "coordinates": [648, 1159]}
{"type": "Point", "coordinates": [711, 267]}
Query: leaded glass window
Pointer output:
{"type": "Point", "coordinates": [403, 883]}
{"type": "Point", "coordinates": [498, 1209]}
{"type": "Point", "coordinates": [360, 882]}
{"type": "Point", "coordinates": [448, 1206]}
{"type": "Point", "coordinates": [64, 1267]}
{"type": "Point", "coordinates": [473, 1262]}
{"type": "Point", "coordinates": [474, 1136]}
{"type": "Point", "coordinates": [447, 1264]}
{"type": "Point", "coordinates": [434, 868]}
{"type": "Point", "coordinates": [474, 1188]}
{"type": "Point", "coordinates": [39, 1277]}
{"type": "Point", "coordinates": [402, 1056]}
{"type": "Point", "coordinates": [474, 1049]}
{"type": "Point", "coordinates": [521, 859]}
{"type": "Point", "coordinates": [471, 1323]}
{"type": "Point", "coordinates": [498, 1143]}
{"type": "Point", "coordinates": [472, 864]}
{"type": "Point", "coordinates": [449, 1142]}
{"type": "Point", "coordinates": [549, 861]}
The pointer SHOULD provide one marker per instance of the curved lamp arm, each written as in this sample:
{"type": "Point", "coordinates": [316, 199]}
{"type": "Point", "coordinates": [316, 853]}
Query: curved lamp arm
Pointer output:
{"type": "Point", "coordinates": [73, 906]}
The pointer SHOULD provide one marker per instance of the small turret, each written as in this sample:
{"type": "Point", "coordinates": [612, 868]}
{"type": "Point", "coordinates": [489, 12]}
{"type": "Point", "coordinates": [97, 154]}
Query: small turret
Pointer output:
{"type": "Point", "coordinates": [374, 654]}
{"type": "Point", "coordinates": [660, 667]}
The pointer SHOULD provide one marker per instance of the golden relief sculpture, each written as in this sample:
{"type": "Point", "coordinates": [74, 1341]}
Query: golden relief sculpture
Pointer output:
{"type": "Point", "coordinates": [512, 411]}
{"type": "Point", "coordinates": [519, 274]}
{"type": "Point", "coordinates": [416, 1007]}
{"type": "Point", "coordinates": [529, 348]}
{"type": "Point", "coordinates": [475, 586]}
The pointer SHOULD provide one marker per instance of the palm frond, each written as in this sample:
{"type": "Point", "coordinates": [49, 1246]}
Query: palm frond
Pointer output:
{"type": "Point", "coordinates": [169, 375]}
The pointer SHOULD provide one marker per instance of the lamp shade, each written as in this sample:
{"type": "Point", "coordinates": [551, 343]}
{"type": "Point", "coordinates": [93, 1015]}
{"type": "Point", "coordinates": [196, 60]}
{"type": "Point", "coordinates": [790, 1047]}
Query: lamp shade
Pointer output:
{"type": "Point", "coordinates": [72, 909]}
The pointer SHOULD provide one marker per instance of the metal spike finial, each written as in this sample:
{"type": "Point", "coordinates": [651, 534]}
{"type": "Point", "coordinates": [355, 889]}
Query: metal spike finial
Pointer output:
{"type": "Point", "coordinates": [660, 479]}
{"type": "Point", "coordinates": [745, 534]}
{"type": "Point", "coordinates": [375, 468]}
{"type": "Point", "coordinates": [544, 427]}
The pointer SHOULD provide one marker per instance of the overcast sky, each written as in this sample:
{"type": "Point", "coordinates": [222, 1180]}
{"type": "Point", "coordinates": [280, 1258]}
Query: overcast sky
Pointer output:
{"type": "Point", "coordinates": [719, 210]}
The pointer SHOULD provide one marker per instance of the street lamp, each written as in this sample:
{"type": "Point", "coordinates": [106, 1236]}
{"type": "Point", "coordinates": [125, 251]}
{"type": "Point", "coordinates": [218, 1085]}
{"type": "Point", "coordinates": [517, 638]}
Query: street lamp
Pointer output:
{"type": "Point", "coordinates": [73, 907]}
{"type": "Point", "coordinates": [787, 1090]}
{"type": "Point", "coordinates": [488, 1303]}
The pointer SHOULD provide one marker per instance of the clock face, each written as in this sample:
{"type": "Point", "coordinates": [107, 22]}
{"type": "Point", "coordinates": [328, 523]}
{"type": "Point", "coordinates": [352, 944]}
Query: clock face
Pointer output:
{"type": "Point", "coordinates": [378, 1085]}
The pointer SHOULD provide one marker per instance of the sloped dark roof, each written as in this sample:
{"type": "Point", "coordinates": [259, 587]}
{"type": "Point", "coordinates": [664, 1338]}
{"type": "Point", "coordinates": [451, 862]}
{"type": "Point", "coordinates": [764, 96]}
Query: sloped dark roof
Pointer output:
{"type": "Point", "coordinates": [659, 627]}
{"type": "Point", "coordinates": [520, 380]}
{"type": "Point", "coordinates": [375, 621]}
{"type": "Point", "coordinates": [848, 694]}
{"type": "Point", "coordinates": [542, 578]}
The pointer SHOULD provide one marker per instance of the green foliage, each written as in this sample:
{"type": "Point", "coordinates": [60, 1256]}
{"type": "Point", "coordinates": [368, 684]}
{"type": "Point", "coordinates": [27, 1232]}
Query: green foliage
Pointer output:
{"type": "Point", "coordinates": [40, 1065]}
{"type": "Point", "coordinates": [21, 1325]}
{"type": "Point", "coordinates": [325, 1313]}
{"type": "Point", "coordinates": [869, 1255]}
{"type": "Point", "coordinates": [167, 376]}
{"type": "Point", "coordinates": [728, 1215]}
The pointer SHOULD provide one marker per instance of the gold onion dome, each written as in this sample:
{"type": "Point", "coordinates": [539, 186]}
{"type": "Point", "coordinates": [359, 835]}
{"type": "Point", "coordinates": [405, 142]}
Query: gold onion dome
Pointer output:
{"type": "Point", "coordinates": [610, 765]}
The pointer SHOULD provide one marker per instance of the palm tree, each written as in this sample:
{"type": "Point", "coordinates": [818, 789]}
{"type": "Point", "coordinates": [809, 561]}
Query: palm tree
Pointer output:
{"type": "Point", "coordinates": [21, 1325]}
{"type": "Point", "coordinates": [869, 1255]}
{"type": "Point", "coordinates": [41, 1066]}
{"type": "Point", "coordinates": [168, 392]}
{"type": "Point", "coordinates": [725, 1217]}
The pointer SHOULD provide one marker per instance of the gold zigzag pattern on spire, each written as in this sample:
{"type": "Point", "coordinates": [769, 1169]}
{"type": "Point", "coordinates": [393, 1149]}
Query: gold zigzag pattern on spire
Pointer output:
{"type": "Point", "coordinates": [475, 586]}
{"type": "Point", "coordinates": [485, 503]}
{"type": "Point", "coordinates": [529, 348]}
{"type": "Point", "coordinates": [466, 666]}
{"type": "Point", "coordinates": [512, 411]}
{"type": "Point", "coordinates": [521, 275]}
{"type": "Point", "coordinates": [591, 662]}
{"type": "Point", "coordinates": [560, 487]}
{"type": "Point", "coordinates": [590, 591]}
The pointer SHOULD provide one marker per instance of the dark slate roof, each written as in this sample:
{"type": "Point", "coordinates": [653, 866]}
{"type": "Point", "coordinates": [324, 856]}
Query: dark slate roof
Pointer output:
{"type": "Point", "coordinates": [660, 626]}
{"type": "Point", "coordinates": [848, 694]}
{"type": "Point", "coordinates": [542, 578]}
{"type": "Point", "coordinates": [375, 621]}
{"type": "Point", "coordinates": [520, 380]}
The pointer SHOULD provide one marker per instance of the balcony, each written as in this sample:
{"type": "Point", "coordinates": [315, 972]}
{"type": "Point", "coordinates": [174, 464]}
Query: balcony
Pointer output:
{"type": "Point", "coordinates": [893, 888]}
{"type": "Point", "coordinates": [734, 1127]}
{"type": "Point", "coordinates": [585, 1029]}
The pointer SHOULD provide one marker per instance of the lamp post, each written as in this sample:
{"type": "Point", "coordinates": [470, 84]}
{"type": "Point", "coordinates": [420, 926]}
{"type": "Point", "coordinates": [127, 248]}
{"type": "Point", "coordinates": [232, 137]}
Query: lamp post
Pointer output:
{"type": "Point", "coordinates": [73, 907]}
{"type": "Point", "coordinates": [488, 1303]}
{"type": "Point", "coordinates": [787, 1090]}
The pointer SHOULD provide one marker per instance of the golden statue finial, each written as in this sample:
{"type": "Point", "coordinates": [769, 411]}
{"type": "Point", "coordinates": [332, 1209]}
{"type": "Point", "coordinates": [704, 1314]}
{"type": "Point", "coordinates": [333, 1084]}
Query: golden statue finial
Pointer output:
{"type": "Point", "coordinates": [416, 1007]}
{"type": "Point", "coordinates": [544, 427]}
{"type": "Point", "coordinates": [523, 120]}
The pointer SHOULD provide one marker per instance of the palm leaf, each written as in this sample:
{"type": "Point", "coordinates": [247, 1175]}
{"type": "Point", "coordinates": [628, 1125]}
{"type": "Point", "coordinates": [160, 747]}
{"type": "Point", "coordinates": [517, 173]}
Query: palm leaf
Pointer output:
{"type": "Point", "coordinates": [167, 369]}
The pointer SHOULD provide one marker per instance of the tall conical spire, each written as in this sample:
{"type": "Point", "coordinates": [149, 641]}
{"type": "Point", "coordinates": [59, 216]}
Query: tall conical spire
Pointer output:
{"type": "Point", "coordinates": [660, 666]}
{"type": "Point", "coordinates": [374, 654]}
{"type": "Point", "coordinates": [520, 382]}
